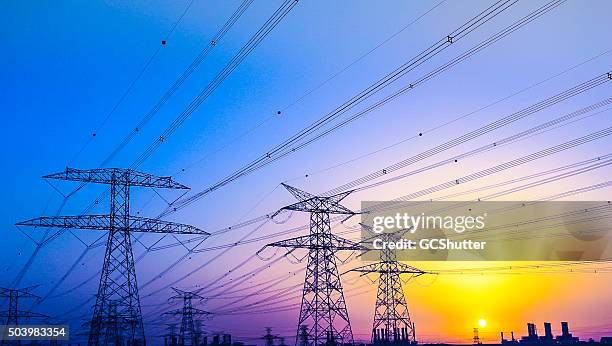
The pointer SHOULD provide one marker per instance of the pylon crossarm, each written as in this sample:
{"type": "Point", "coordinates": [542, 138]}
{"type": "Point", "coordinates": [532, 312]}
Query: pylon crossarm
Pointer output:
{"type": "Point", "coordinates": [194, 311]}
{"type": "Point", "coordinates": [387, 236]}
{"type": "Point", "coordinates": [103, 222]}
{"type": "Point", "coordinates": [406, 269]}
{"type": "Point", "coordinates": [339, 243]}
{"type": "Point", "coordinates": [297, 193]}
{"type": "Point", "coordinates": [292, 243]}
{"type": "Point", "coordinates": [303, 242]}
{"type": "Point", "coordinates": [22, 292]}
{"type": "Point", "coordinates": [379, 267]}
{"type": "Point", "coordinates": [23, 314]}
{"type": "Point", "coordinates": [173, 312]}
{"type": "Point", "coordinates": [319, 205]}
{"type": "Point", "coordinates": [120, 176]}
{"type": "Point", "coordinates": [185, 294]}
{"type": "Point", "coordinates": [315, 204]}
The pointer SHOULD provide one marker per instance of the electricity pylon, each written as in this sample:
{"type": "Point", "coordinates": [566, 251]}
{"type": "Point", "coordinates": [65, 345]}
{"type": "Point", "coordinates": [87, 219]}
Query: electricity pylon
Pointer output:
{"type": "Point", "coordinates": [171, 337]}
{"type": "Point", "coordinates": [13, 316]}
{"type": "Point", "coordinates": [269, 337]}
{"type": "Point", "coordinates": [118, 279]}
{"type": "Point", "coordinates": [392, 321]}
{"type": "Point", "coordinates": [323, 306]}
{"type": "Point", "coordinates": [188, 335]}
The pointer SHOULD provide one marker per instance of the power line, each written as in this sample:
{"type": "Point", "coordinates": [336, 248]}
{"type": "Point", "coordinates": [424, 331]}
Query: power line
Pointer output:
{"type": "Point", "coordinates": [180, 80]}
{"type": "Point", "coordinates": [234, 244]}
{"type": "Point", "coordinates": [255, 40]}
{"type": "Point", "coordinates": [315, 88]}
{"type": "Point", "coordinates": [454, 120]}
{"type": "Point", "coordinates": [289, 145]}
{"type": "Point", "coordinates": [205, 51]}
{"type": "Point", "coordinates": [139, 75]}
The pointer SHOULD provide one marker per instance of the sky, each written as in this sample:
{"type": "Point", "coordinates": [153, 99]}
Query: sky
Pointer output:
{"type": "Point", "coordinates": [68, 63]}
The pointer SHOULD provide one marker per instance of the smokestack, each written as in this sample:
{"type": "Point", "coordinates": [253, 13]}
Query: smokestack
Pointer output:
{"type": "Point", "coordinates": [548, 330]}
{"type": "Point", "coordinates": [531, 330]}
{"type": "Point", "coordinates": [564, 329]}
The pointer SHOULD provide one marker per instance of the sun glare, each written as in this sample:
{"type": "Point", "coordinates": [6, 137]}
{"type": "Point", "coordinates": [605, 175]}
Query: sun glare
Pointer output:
{"type": "Point", "coordinates": [482, 322]}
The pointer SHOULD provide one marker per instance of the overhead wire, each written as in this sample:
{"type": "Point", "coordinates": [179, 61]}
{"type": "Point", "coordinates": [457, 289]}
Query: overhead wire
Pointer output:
{"type": "Point", "coordinates": [287, 146]}
{"type": "Point", "coordinates": [133, 83]}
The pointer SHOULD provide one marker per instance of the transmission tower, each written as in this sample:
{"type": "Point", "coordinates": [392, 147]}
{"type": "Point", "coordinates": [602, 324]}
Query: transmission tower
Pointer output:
{"type": "Point", "coordinates": [171, 337]}
{"type": "Point", "coordinates": [13, 316]}
{"type": "Point", "coordinates": [188, 335]}
{"type": "Point", "coordinates": [323, 306]}
{"type": "Point", "coordinates": [476, 339]}
{"type": "Point", "coordinates": [118, 280]}
{"type": "Point", "coordinates": [269, 337]}
{"type": "Point", "coordinates": [391, 317]}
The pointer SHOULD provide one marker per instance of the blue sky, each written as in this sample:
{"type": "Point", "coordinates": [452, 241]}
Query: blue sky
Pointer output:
{"type": "Point", "coordinates": [66, 63]}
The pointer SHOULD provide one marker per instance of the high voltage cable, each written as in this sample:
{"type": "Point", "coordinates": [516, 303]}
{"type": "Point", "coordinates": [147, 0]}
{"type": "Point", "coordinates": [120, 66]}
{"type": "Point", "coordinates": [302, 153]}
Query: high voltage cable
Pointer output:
{"type": "Point", "coordinates": [525, 266]}
{"type": "Point", "coordinates": [517, 25]}
{"type": "Point", "coordinates": [260, 218]}
{"type": "Point", "coordinates": [181, 79]}
{"type": "Point", "coordinates": [279, 149]}
{"type": "Point", "coordinates": [228, 24]}
{"type": "Point", "coordinates": [410, 160]}
{"type": "Point", "coordinates": [268, 26]}
{"type": "Point", "coordinates": [585, 189]}
{"type": "Point", "coordinates": [361, 57]}
{"type": "Point", "coordinates": [494, 145]}
{"type": "Point", "coordinates": [501, 167]}
{"type": "Point", "coordinates": [314, 89]}
{"type": "Point", "coordinates": [255, 40]}
{"type": "Point", "coordinates": [576, 90]}
{"type": "Point", "coordinates": [203, 264]}
{"type": "Point", "coordinates": [454, 120]}
{"type": "Point", "coordinates": [570, 165]}
{"type": "Point", "coordinates": [405, 196]}
{"type": "Point", "coordinates": [548, 180]}
{"type": "Point", "coordinates": [177, 84]}
{"type": "Point", "coordinates": [133, 82]}
{"type": "Point", "coordinates": [293, 143]}
{"type": "Point", "coordinates": [550, 125]}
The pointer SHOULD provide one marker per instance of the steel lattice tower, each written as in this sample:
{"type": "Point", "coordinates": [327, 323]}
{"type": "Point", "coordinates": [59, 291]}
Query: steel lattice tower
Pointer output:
{"type": "Point", "coordinates": [13, 315]}
{"type": "Point", "coordinates": [323, 308]}
{"type": "Point", "coordinates": [392, 321]}
{"type": "Point", "coordinates": [171, 337]}
{"type": "Point", "coordinates": [188, 335]}
{"type": "Point", "coordinates": [269, 337]}
{"type": "Point", "coordinates": [118, 279]}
